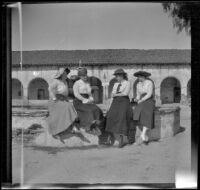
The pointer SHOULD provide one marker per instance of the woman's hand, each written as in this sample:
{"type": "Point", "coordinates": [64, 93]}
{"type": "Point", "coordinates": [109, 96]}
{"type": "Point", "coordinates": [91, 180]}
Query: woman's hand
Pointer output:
{"type": "Point", "coordinates": [135, 100]}
{"type": "Point", "coordinates": [113, 95]}
{"type": "Point", "coordinates": [140, 101]}
{"type": "Point", "coordinates": [91, 99]}
{"type": "Point", "coordinates": [54, 99]}
{"type": "Point", "coordinates": [85, 101]}
{"type": "Point", "coordinates": [116, 94]}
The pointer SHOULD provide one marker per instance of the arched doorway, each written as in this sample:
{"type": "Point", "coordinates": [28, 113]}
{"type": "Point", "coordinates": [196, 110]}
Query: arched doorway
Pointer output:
{"type": "Point", "coordinates": [111, 84]}
{"type": "Point", "coordinates": [17, 89]}
{"type": "Point", "coordinates": [189, 89]}
{"type": "Point", "coordinates": [97, 89]}
{"type": "Point", "coordinates": [38, 89]}
{"type": "Point", "coordinates": [170, 90]}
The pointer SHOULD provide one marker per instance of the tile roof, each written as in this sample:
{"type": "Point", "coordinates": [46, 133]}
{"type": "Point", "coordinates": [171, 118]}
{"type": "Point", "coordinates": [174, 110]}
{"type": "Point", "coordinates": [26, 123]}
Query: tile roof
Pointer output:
{"type": "Point", "coordinates": [102, 57]}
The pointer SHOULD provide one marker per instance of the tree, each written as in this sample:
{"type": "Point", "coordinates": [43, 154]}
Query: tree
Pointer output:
{"type": "Point", "coordinates": [182, 14]}
{"type": "Point", "coordinates": [186, 15]}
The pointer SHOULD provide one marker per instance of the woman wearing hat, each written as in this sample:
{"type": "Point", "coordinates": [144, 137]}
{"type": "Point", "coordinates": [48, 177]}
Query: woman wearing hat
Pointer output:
{"type": "Point", "coordinates": [144, 110]}
{"type": "Point", "coordinates": [62, 114]}
{"type": "Point", "coordinates": [119, 117]}
{"type": "Point", "coordinates": [89, 114]}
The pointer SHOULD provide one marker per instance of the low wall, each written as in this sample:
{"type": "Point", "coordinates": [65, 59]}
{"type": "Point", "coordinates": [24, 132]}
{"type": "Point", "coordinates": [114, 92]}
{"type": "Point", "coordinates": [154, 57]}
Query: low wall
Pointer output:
{"type": "Point", "coordinates": [166, 124]}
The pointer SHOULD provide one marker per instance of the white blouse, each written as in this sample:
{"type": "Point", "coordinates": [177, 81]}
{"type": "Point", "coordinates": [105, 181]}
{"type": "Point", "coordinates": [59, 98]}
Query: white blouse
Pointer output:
{"type": "Point", "coordinates": [124, 88]}
{"type": "Point", "coordinates": [145, 87]}
{"type": "Point", "coordinates": [81, 87]}
{"type": "Point", "coordinates": [58, 87]}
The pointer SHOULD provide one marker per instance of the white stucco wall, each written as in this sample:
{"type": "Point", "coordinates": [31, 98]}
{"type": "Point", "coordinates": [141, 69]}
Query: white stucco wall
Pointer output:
{"type": "Point", "coordinates": [105, 74]}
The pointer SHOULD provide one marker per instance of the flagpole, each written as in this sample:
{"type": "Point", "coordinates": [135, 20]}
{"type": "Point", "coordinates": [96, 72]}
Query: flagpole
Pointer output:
{"type": "Point", "coordinates": [21, 59]}
{"type": "Point", "coordinates": [80, 63]}
{"type": "Point", "coordinates": [19, 7]}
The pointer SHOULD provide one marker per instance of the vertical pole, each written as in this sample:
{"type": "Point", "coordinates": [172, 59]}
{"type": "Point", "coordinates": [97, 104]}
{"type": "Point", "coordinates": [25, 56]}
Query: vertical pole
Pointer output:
{"type": "Point", "coordinates": [6, 129]}
{"type": "Point", "coordinates": [21, 59]}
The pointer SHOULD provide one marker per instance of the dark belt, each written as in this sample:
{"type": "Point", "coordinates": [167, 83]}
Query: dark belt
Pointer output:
{"type": "Point", "coordinates": [152, 97]}
{"type": "Point", "coordinates": [61, 97]}
{"type": "Point", "coordinates": [121, 97]}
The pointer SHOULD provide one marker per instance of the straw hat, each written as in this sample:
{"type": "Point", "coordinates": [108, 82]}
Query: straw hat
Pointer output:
{"type": "Point", "coordinates": [61, 71]}
{"type": "Point", "coordinates": [142, 73]}
{"type": "Point", "coordinates": [119, 72]}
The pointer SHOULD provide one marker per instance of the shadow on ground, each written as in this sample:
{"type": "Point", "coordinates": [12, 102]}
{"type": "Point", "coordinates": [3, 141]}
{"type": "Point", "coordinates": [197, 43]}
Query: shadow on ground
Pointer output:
{"type": "Point", "coordinates": [28, 139]}
{"type": "Point", "coordinates": [55, 150]}
{"type": "Point", "coordinates": [155, 133]}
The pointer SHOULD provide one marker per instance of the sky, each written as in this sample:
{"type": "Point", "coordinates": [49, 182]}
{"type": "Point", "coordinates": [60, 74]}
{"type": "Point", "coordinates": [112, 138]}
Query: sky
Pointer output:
{"type": "Point", "coordinates": [71, 26]}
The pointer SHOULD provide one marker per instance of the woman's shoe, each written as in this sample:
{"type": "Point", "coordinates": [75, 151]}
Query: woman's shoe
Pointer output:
{"type": "Point", "coordinates": [108, 141]}
{"type": "Point", "coordinates": [59, 138]}
{"type": "Point", "coordinates": [75, 130]}
{"type": "Point", "coordinates": [146, 142]}
{"type": "Point", "coordinates": [62, 141]}
{"type": "Point", "coordinates": [139, 141]}
{"type": "Point", "coordinates": [121, 142]}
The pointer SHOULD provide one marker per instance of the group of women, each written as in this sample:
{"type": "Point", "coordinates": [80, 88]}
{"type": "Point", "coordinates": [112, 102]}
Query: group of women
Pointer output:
{"type": "Point", "coordinates": [121, 119]}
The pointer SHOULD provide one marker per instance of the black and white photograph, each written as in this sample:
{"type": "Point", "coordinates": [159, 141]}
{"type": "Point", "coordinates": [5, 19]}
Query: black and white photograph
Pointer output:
{"type": "Point", "coordinates": [101, 94]}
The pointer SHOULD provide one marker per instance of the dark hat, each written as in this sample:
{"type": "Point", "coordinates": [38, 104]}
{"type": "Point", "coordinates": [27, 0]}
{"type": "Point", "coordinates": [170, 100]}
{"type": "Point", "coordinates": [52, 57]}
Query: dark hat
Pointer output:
{"type": "Point", "coordinates": [61, 71]}
{"type": "Point", "coordinates": [119, 72]}
{"type": "Point", "coordinates": [82, 71]}
{"type": "Point", "coordinates": [142, 73]}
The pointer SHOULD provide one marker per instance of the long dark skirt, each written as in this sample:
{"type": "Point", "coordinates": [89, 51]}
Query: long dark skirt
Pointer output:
{"type": "Point", "coordinates": [120, 116]}
{"type": "Point", "coordinates": [62, 115]}
{"type": "Point", "coordinates": [87, 113]}
{"type": "Point", "coordinates": [144, 113]}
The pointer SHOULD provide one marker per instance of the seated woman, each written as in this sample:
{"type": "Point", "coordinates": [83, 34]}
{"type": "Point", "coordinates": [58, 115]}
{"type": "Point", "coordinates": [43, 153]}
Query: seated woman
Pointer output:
{"type": "Point", "coordinates": [120, 115]}
{"type": "Point", "coordinates": [89, 114]}
{"type": "Point", "coordinates": [144, 110]}
{"type": "Point", "coordinates": [62, 114]}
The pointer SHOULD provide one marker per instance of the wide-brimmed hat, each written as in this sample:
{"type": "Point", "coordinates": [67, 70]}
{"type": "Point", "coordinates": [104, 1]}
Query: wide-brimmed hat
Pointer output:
{"type": "Point", "coordinates": [61, 71]}
{"type": "Point", "coordinates": [82, 71]}
{"type": "Point", "coordinates": [119, 72]}
{"type": "Point", "coordinates": [142, 73]}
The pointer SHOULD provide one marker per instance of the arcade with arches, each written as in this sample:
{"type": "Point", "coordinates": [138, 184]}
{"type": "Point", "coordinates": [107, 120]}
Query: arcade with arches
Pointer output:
{"type": "Point", "coordinates": [17, 89]}
{"type": "Point", "coordinates": [170, 90]}
{"type": "Point", "coordinates": [38, 89]}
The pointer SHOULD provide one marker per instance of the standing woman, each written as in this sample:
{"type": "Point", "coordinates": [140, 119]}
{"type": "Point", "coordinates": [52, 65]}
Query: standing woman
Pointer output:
{"type": "Point", "coordinates": [144, 111]}
{"type": "Point", "coordinates": [89, 114]}
{"type": "Point", "coordinates": [119, 117]}
{"type": "Point", "coordinates": [62, 114]}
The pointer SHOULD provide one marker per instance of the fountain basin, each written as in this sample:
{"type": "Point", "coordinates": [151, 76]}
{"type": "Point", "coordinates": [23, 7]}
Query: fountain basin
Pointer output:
{"type": "Point", "coordinates": [166, 122]}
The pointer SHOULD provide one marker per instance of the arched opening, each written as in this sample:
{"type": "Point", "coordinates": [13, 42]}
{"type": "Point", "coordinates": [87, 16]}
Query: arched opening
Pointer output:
{"type": "Point", "coordinates": [111, 84]}
{"type": "Point", "coordinates": [189, 89]}
{"type": "Point", "coordinates": [17, 89]}
{"type": "Point", "coordinates": [38, 89]}
{"type": "Point", "coordinates": [170, 91]}
{"type": "Point", "coordinates": [97, 89]}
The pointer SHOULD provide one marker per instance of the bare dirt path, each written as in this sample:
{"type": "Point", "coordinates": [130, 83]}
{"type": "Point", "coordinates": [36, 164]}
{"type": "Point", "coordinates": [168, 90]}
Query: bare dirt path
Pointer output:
{"type": "Point", "coordinates": [156, 163]}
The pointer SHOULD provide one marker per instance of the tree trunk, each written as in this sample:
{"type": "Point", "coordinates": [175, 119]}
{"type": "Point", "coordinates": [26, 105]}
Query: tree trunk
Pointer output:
{"type": "Point", "coordinates": [195, 60]}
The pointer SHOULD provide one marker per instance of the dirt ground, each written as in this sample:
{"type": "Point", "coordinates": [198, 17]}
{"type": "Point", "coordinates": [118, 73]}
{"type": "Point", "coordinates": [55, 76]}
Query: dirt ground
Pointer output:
{"type": "Point", "coordinates": [156, 163]}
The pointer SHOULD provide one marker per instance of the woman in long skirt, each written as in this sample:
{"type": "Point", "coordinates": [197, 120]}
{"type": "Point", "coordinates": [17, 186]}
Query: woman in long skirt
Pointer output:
{"type": "Point", "coordinates": [89, 114]}
{"type": "Point", "coordinates": [119, 117]}
{"type": "Point", "coordinates": [62, 114]}
{"type": "Point", "coordinates": [144, 110]}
